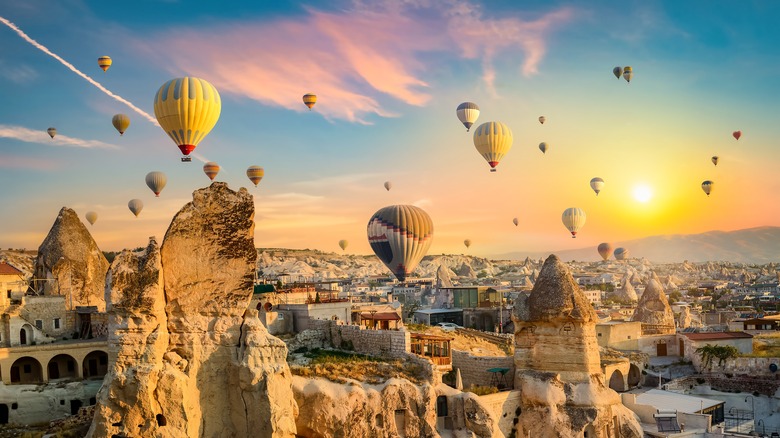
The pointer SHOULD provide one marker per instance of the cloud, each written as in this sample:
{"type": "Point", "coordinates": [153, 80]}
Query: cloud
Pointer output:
{"type": "Point", "coordinates": [12, 162]}
{"type": "Point", "coordinates": [352, 59]}
{"type": "Point", "coordinates": [294, 211]}
{"type": "Point", "coordinates": [70, 66]}
{"type": "Point", "coordinates": [344, 180]}
{"type": "Point", "coordinates": [40, 136]}
{"type": "Point", "coordinates": [18, 74]}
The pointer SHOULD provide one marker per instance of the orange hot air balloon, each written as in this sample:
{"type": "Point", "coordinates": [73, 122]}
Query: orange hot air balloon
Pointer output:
{"type": "Point", "coordinates": [255, 174]}
{"type": "Point", "coordinates": [211, 169]}
{"type": "Point", "coordinates": [737, 134]}
{"type": "Point", "coordinates": [104, 62]}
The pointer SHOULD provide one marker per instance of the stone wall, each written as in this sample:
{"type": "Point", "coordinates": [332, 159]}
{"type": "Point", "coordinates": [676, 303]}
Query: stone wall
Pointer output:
{"type": "Point", "coordinates": [277, 321]}
{"type": "Point", "coordinates": [473, 369]}
{"type": "Point", "coordinates": [724, 383]}
{"type": "Point", "coordinates": [505, 406]}
{"type": "Point", "coordinates": [47, 309]}
{"type": "Point", "coordinates": [388, 343]}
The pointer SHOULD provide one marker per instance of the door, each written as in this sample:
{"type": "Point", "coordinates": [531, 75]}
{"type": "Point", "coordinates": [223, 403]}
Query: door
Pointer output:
{"type": "Point", "coordinates": [93, 367]}
{"type": "Point", "coordinates": [3, 414]}
{"type": "Point", "coordinates": [661, 349]}
{"type": "Point", "coordinates": [54, 370]}
{"type": "Point", "coordinates": [15, 376]}
{"type": "Point", "coordinates": [682, 348]}
{"type": "Point", "coordinates": [23, 336]}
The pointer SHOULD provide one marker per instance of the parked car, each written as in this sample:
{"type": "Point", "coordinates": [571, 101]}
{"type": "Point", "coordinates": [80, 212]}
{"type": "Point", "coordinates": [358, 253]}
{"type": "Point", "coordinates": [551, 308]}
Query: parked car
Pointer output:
{"type": "Point", "coordinates": [448, 326]}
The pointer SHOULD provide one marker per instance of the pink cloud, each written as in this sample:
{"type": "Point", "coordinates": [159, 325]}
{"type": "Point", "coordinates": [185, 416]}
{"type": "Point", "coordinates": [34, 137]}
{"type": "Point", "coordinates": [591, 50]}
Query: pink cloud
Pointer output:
{"type": "Point", "coordinates": [352, 59]}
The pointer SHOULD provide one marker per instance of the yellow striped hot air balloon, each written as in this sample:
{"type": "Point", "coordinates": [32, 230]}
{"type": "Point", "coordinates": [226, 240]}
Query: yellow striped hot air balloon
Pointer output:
{"type": "Point", "coordinates": [187, 109]}
{"type": "Point", "coordinates": [255, 174]}
{"type": "Point", "coordinates": [343, 243]}
{"type": "Point", "coordinates": [493, 140]}
{"type": "Point", "coordinates": [104, 62]}
{"type": "Point", "coordinates": [400, 236]}
{"type": "Point", "coordinates": [309, 100]}
{"type": "Point", "coordinates": [211, 169]}
{"type": "Point", "coordinates": [573, 219]}
{"type": "Point", "coordinates": [121, 122]}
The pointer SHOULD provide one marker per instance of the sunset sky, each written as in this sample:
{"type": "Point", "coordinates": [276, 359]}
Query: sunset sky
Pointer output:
{"type": "Point", "coordinates": [389, 75]}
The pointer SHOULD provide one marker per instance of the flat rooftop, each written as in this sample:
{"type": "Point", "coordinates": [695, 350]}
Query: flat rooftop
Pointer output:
{"type": "Point", "coordinates": [668, 400]}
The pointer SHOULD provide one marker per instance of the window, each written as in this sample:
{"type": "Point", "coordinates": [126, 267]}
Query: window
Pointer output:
{"type": "Point", "coordinates": [27, 368]}
{"type": "Point", "coordinates": [629, 337]}
{"type": "Point", "coordinates": [39, 324]}
{"type": "Point", "coordinates": [9, 293]}
{"type": "Point", "coordinates": [56, 323]}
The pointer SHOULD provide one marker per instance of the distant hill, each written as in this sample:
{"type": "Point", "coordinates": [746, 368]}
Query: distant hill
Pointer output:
{"type": "Point", "coordinates": [752, 245]}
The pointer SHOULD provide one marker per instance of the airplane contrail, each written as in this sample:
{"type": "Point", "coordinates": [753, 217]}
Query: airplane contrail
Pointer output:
{"type": "Point", "coordinates": [100, 87]}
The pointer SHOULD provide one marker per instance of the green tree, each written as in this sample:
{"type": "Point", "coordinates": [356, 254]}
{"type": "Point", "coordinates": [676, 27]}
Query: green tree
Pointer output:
{"type": "Point", "coordinates": [709, 352]}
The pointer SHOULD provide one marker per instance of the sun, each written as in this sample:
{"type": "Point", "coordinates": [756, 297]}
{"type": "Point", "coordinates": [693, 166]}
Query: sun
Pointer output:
{"type": "Point", "coordinates": [643, 193]}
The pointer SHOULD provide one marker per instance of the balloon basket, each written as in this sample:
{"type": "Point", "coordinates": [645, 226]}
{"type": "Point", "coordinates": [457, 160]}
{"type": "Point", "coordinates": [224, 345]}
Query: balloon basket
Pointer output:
{"type": "Point", "coordinates": [186, 159]}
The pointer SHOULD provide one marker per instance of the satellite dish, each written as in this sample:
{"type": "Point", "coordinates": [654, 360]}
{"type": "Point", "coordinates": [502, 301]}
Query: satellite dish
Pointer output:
{"type": "Point", "coordinates": [773, 367]}
{"type": "Point", "coordinates": [396, 304]}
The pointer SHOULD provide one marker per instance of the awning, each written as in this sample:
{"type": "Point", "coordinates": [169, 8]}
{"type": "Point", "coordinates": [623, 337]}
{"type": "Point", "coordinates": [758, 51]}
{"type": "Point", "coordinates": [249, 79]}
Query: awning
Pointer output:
{"type": "Point", "coordinates": [381, 316]}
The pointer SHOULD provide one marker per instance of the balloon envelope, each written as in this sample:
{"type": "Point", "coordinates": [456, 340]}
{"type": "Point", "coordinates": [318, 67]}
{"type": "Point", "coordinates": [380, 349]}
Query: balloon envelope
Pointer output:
{"type": "Point", "coordinates": [618, 72]}
{"type": "Point", "coordinates": [211, 169]}
{"type": "Point", "coordinates": [91, 217]}
{"type": "Point", "coordinates": [400, 236]}
{"type": "Point", "coordinates": [255, 174]}
{"type": "Point", "coordinates": [628, 73]}
{"type": "Point", "coordinates": [515, 221]}
{"type": "Point", "coordinates": [309, 100]}
{"type": "Point", "coordinates": [597, 184]}
{"type": "Point", "coordinates": [467, 242]}
{"type": "Point", "coordinates": [707, 186]}
{"type": "Point", "coordinates": [52, 132]}
{"type": "Point", "coordinates": [135, 206]}
{"type": "Point", "coordinates": [715, 160]}
{"type": "Point", "coordinates": [388, 185]}
{"type": "Point", "coordinates": [121, 122]}
{"type": "Point", "coordinates": [343, 244]}
{"type": "Point", "coordinates": [605, 250]}
{"type": "Point", "coordinates": [156, 181]}
{"type": "Point", "coordinates": [104, 62]}
{"type": "Point", "coordinates": [573, 219]}
{"type": "Point", "coordinates": [542, 119]}
{"type": "Point", "coordinates": [621, 253]}
{"type": "Point", "coordinates": [187, 109]}
{"type": "Point", "coordinates": [543, 147]}
{"type": "Point", "coordinates": [737, 134]}
{"type": "Point", "coordinates": [493, 140]}
{"type": "Point", "coordinates": [467, 113]}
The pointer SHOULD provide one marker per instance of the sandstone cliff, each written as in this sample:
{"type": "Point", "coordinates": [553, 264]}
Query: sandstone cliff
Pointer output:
{"type": "Point", "coordinates": [188, 361]}
{"type": "Point", "coordinates": [70, 256]}
{"type": "Point", "coordinates": [563, 393]}
{"type": "Point", "coordinates": [653, 308]}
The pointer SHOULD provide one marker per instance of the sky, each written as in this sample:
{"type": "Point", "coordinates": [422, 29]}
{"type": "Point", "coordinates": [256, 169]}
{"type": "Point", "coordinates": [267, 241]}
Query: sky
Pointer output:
{"type": "Point", "coordinates": [388, 76]}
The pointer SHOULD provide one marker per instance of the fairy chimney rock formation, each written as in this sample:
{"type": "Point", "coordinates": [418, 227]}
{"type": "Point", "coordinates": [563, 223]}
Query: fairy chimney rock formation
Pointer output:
{"type": "Point", "coordinates": [189, 361]}
{"type": "Point", "coordinates": [684, 320]}
{"type": "Point", "coordinates": [653, 308]}
{"type": "Point", "coordinates": [557, 361]}
{"type": "Point", "coordinates": [626, 293]}
{"type": "Point", "coordinates": [70, 263]}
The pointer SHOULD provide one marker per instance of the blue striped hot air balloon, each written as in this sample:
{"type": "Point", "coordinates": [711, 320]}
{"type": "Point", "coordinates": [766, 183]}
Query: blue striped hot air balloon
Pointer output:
{"type": "Point", "coordinates": [400, 236]}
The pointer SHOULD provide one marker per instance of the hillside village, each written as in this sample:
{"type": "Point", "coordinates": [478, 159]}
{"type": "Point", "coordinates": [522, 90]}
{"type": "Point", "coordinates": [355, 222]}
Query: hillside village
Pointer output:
{"type": "Point", "coordinates": [686, 347]}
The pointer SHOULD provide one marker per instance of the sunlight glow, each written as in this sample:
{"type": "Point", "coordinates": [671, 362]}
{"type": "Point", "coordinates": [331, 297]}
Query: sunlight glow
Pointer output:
{"type": "Point", "coordinates": [643, 193]}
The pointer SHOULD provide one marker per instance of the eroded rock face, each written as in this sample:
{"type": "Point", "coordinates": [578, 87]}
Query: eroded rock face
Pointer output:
{"type": "Point", "coordinates": [563, 393]}
{"type": "Point", "coordinates": [653, 308]}
{"type": "Point", "coordinates": [684, 320]}
{"type": "Point", "coordinates": [70, 256]}
{"type": "Point", "coordinates": [213, 371]}
{"type": "Point", "coordinates": [626, 292]}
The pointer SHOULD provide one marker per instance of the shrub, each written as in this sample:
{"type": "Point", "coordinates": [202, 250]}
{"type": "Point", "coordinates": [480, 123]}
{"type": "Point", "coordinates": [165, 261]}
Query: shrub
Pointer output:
{"type": "Point", "coordinates": [482, 390]}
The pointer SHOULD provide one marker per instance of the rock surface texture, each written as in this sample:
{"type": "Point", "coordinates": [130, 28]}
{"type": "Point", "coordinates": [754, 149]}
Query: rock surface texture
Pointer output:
{"type": "Point", "coordinates": [653, 308]}
{"type": "Point", "coordinates": [188, 361]}
{"type": "Point", "coordinates": [70, 256]}
{"type": "Point", "coordinates": [626, 292]}
{"type": "Point", "coordinates": [558, 364]}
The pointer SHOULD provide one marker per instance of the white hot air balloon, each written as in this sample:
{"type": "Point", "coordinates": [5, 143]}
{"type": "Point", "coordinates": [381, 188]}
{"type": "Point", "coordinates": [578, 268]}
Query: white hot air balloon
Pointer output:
{"type": "Point", "coordinates": [91, 217]}
{"type": "Point", "coordinates": [388, 185]}
{"type": "Point", "coordinates": [135, 206]}
{"type": "Point", "coordinates": [467, 112]}
{"type": "Point", "coordinates": [156, 181]}
{"type": "Point", "coordinates": [573, 219]}
{"type": "Point", "coordinates": [597, 184]}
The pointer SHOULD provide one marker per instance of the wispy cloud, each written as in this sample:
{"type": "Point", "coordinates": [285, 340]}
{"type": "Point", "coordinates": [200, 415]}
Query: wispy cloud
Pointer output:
{"type": "Point", "coordinates": [40, 136]}
{"type": "Point", "coordinates": [70, 66]}
{"type": "Point", "coordinates": [354, 58]}
{"type": "Point", "coordinates": [18, 73]}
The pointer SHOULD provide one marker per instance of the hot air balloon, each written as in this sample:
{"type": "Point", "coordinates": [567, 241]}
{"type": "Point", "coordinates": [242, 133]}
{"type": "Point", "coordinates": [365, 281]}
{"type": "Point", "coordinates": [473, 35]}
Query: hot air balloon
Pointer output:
{"type": "Point", "coordinates": [156, 181]}
{"type": "Point", "coordinates": [542, 119]}
{"type": "Point", "coordinates": [135, 205]}
{"type": "Point", "coordinates": [573, 219]}
{"type": "Point", "coordinates": [543, 147]}
{"type": "Point", "coordinates": [621, 254]}
{"type": "Point", "coordinates": [605, 250]}
{"type": "Point", "coordinates": [52, 132]}
{"type": "Point", "coordinates": [255, 174]}
{"type": "Point", "coordinates": [715, 160]}
{"type": "Point", "coordinates": [707, 187]}
{"type": "Point", "coordinates": [309, 100]}
{"type": "Point", "coordinates": [628, 73]}
{"type": "Point", "coordinates": [121, 122]}
{"type": "Point", "coordinates": [388, 185]}
{"type": "Point", "coordinates": [597, 184]}
{"type": "Point", "coordinates": [104, 62]}
{"type": "Point", "coordinates": [211, 169]}
{"type": "Point", "coordinates": [737, 134]}
{"type": "Point", "coordinates": [343, 244]}
{"type": "Point", "coordinates": [467, 112]}
{"type": "Point", "coordinates": [400, 235]}
{"type": "Point", "coordinates": [493, 140]}
{"type": "Point", "coordinates": [467, 242]}
{"type": "Point", "coordinates": [618, 72]}
{"type": "Point", "coordinates": [187, 108]}
{"type": "Point", "coordinates": [515, 221]}
{"type": "Point", "coordinates": [91, 217]}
